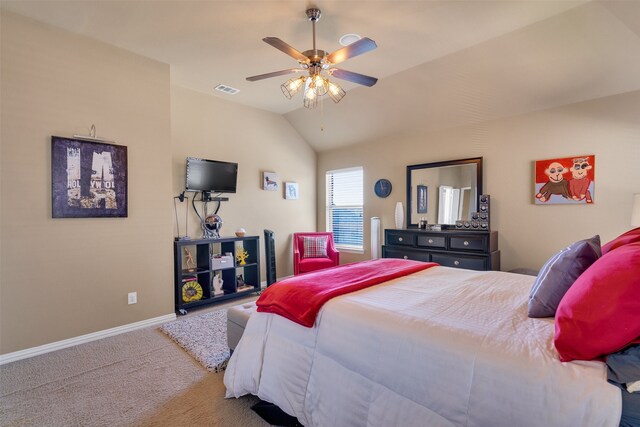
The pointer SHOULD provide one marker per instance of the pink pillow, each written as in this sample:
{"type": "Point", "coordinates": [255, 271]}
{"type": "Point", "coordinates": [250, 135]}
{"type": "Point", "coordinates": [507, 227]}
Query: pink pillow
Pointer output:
{"type": "Point", "coordinates": [630, 236]}
{"type": "Point", "coordinates": [600, 313]}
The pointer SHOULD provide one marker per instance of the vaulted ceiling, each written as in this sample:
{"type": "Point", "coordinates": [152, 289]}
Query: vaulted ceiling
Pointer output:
{"type": "Point", "coordinates": [440, 63]}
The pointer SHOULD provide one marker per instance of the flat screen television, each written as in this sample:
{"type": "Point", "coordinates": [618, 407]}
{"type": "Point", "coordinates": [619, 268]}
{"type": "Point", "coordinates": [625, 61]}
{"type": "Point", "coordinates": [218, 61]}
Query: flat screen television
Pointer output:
{"type": "Point", "coordinates": [211, 176]}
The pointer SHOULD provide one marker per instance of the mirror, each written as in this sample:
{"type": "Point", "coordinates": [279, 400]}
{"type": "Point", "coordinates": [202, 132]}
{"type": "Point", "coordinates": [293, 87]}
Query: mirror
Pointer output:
{"type": "Point", "coordinates": [443, 192]}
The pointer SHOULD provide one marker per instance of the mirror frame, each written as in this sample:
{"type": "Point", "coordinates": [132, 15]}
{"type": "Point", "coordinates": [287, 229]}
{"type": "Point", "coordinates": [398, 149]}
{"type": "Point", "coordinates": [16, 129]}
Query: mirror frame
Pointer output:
{"type": "Point", "coordinates": [472, 160]}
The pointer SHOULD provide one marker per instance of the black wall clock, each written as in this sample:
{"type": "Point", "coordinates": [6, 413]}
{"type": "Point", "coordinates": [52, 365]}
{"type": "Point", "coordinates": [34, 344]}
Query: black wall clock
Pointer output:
{"type": "Point", "coordinates": [382, 188]}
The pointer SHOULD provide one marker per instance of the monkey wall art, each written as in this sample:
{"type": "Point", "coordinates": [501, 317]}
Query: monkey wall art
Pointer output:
{"type": "Point", "coordinates": [568, 180]}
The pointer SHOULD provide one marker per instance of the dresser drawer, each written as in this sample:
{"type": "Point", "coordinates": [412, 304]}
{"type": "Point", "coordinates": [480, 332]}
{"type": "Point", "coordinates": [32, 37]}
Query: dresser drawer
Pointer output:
{"type": "Point", "coordinates": [432, 241]}
{"type": "Point", "coordinates": [460, 261]}
{"type": "Point", "coordinates": [468, 243]}
{"type": "Point", "coordinates": [469, 249]}
{"type": "Point", "coordinates": [404, 239]}
{"type": "Point", "coordinates": [405, 254]}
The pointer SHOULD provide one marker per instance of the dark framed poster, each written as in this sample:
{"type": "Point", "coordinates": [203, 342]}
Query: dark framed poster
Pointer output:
{"type": "Point", "coordinates": [88, 179]}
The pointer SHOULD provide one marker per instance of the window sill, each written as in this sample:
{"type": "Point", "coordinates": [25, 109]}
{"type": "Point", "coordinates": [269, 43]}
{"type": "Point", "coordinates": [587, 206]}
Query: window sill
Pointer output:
{"type": "Point", "coordinates": [350, 249]}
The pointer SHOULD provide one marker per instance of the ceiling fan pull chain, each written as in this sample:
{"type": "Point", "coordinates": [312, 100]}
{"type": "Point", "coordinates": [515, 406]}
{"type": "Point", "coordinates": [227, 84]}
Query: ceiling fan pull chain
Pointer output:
{"type": "Point", "coordinates": [321, 115]}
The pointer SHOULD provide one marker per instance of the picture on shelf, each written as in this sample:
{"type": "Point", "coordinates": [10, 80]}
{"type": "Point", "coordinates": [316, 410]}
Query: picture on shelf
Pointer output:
{"type": "Point", "coordinates": [241, 285]}
{"type": "Point", "coordinates": [88, 179]}
{"type": "Point", "coordinates": [270, 181]}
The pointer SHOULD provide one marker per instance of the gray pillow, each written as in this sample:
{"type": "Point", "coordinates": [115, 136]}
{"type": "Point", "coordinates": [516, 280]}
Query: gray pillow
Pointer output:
{"type": "Point", "coordinates": [559, 273]}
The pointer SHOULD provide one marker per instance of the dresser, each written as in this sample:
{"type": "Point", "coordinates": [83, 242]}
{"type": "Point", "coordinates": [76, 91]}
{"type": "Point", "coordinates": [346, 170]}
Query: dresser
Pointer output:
{"type": "Point", "coordinates": [473, 250]}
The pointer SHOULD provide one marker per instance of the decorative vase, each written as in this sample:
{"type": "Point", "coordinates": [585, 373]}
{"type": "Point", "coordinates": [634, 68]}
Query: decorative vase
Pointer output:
{"type": "Point", "coordinates": [399, 216]}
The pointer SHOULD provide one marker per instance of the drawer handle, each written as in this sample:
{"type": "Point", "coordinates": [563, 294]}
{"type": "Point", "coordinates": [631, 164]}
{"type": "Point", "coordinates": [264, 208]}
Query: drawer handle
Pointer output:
{"type": "Point", "coordinates": [430, 240]}
{"type": "Point", "coordinates": [405, 257]}
{"type": "Point", "coordinates": [456, 262]}
{"type": "Point", "coordinates": [399, 239]}
{"type": "Point", "coordinates": [466, 243]}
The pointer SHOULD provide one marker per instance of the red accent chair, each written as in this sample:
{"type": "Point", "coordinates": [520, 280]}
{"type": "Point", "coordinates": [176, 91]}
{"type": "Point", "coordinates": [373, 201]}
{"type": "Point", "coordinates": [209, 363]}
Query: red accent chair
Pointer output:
{"type": "Point", "coordinates": [302, 264]}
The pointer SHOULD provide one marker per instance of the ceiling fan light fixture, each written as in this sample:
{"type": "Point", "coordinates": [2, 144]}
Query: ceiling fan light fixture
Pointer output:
{"type": "Point", "coordinates": [310, 98]}
{"type": "Point", "coordinates": [320, 85]}
{"type": "Point", "coordinates": [292, 86]}
{"type": "Point", "coordinates": [336, 93]}
{"type": "Point", "coordinates": [315, 62]}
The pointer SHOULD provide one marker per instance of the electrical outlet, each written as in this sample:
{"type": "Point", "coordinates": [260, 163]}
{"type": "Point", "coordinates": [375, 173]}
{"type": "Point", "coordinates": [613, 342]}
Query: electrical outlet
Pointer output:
{"type": "Point", "coordinates": [132, 297]}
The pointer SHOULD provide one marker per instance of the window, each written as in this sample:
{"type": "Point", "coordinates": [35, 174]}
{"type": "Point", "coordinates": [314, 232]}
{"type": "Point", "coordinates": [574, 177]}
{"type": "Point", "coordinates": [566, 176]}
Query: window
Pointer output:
{"type": "Point", "coordinates": [344, 207]}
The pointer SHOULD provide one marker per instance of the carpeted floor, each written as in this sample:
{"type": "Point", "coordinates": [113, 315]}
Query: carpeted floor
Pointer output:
{"type": "Point", "coordinates": [140, 378]}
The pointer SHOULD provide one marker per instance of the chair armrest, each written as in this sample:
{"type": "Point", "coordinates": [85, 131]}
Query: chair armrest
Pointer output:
{"type": "Point", "coordinates": [336, 257]}
{"type": "Point", "coordinates": [333, 253]}
{"type": "Point", "coordinates": [296, 261]}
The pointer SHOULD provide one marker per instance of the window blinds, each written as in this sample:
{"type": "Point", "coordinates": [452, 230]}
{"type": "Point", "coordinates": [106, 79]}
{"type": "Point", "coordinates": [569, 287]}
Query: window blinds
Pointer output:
{"type": "Point", "coordinates": [344, 207]}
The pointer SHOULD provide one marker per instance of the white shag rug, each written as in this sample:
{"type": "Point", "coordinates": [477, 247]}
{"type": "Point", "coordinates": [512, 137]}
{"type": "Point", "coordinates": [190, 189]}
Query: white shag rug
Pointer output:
{"type": "Point", "coordinates": [204, 337]}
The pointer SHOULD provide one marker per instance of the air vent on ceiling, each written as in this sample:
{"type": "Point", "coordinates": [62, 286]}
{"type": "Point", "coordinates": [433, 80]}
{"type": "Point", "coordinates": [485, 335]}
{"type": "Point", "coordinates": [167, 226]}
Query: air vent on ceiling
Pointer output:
{"type": "Point", "coordinates": [227, 89]}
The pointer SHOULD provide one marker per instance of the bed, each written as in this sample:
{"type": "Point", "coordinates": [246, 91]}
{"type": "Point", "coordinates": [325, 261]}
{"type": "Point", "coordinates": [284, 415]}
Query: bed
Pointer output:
{"type": "Point", "coordinates": [440, 347]}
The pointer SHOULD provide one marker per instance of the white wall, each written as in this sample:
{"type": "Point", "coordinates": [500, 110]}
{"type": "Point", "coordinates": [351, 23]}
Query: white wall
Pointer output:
{"type": "Point", "coordinates": [528, 234]}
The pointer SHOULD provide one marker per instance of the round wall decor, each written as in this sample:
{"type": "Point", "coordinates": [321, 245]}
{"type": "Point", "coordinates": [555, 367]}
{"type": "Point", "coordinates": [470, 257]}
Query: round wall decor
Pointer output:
{"type": "Point", "coordinates": [382, 188]}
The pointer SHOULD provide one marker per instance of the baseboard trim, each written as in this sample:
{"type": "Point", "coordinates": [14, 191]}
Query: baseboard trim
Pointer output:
{"type": "Point", "coordinates": [59, 345]}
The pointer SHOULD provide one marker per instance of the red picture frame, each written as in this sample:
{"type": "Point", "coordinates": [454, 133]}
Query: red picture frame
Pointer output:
{"type": "Point", "coordinates": [565, 180]}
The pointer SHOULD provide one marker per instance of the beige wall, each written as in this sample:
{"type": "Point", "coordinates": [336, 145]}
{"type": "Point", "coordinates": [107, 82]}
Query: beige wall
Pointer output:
{"type": "Point", "coordinates": [208, 127]}
{"type": "Point", "coordinates": [67, 277]}
{"type": "Point", "coordinates": [528, 234]}
{"type": "Point", "coordinates": [63, 278]}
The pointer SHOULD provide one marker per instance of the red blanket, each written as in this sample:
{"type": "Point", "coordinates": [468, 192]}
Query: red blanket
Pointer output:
{"type": "Point", "coordinates": [301, 297]}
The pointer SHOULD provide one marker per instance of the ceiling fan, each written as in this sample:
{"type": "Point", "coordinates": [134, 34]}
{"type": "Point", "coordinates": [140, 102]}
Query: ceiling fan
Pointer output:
{"type": "Point", "coordinates": [319, 65]}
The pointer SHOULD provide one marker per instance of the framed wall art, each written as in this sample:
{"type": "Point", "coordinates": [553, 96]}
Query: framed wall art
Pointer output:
{"type": "Point", "coordinates": [566, 180]}
{"type": "Point", "coordinates": [88, 179]}
{"type": "Point", "coordinates": [421, 198]}
{"type": "Point", "coordinates": [291, 190]}
{"type": "Point", "coordinates": [270, 181]}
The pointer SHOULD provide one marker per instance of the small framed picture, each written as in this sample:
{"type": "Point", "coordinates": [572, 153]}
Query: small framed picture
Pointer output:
{"type": "Point", "coordinates": [270, 181]}
{"type": "Point", "coordinates": [291, 190]}
{"type": "Point", "coordinates": [422, 198]}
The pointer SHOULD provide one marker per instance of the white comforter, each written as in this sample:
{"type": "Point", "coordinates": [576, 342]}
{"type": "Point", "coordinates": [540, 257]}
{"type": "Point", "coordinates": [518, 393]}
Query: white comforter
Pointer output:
{"type": "Point", "coordinates": [442, 347]}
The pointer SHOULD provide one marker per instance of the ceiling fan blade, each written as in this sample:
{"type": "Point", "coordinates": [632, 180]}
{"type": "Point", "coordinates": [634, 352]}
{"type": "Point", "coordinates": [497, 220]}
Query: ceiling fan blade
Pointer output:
{"type": "Point", "coordinates": [274, 74]}
{"type": "Point", "coordinates": [361, 79]}
{"type": "Point", "coordinates": [363, 45]}
{"type": "Point", "coordinates": [280, 45]}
